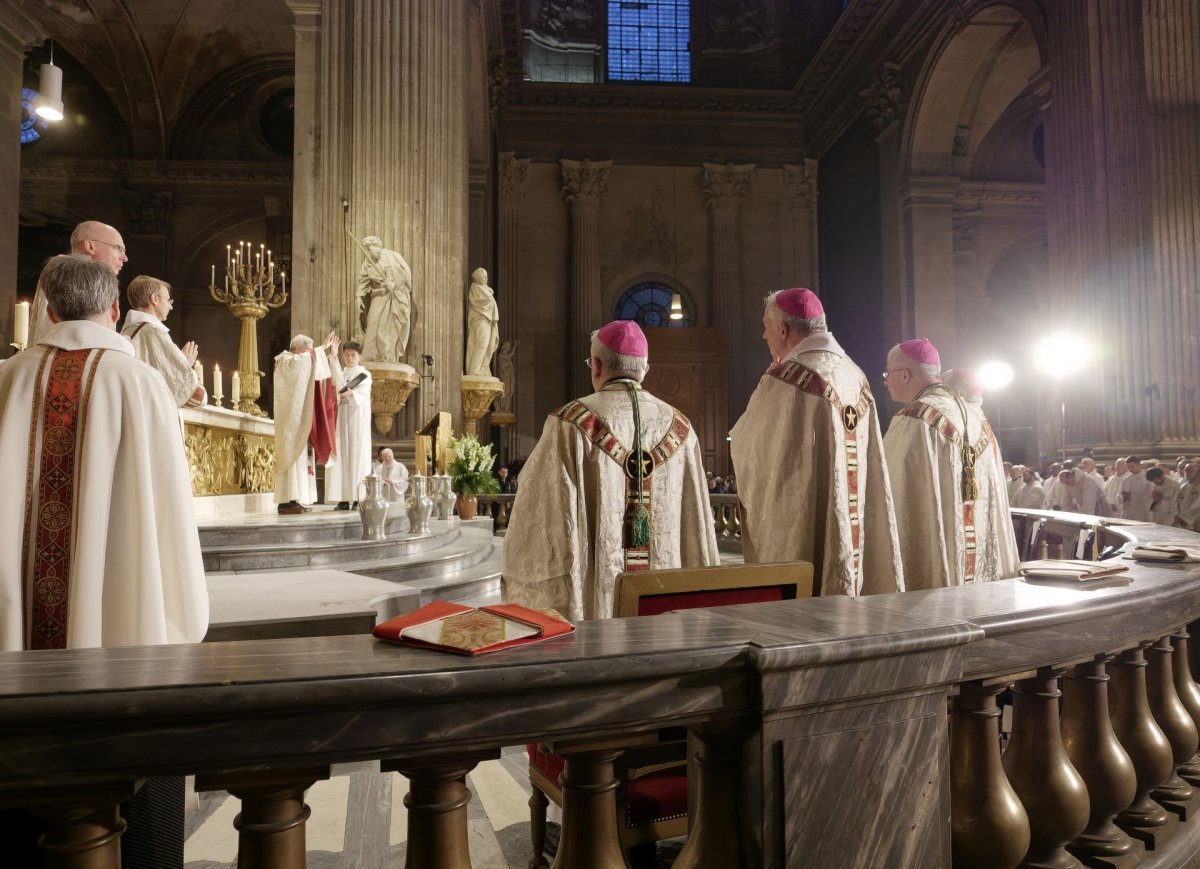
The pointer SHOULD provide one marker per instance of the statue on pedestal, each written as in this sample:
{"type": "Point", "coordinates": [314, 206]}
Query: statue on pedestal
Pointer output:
{"type": "Point", "coordinates": [386, 280]}
{"type": "Point", "coordinates": [483, 326]}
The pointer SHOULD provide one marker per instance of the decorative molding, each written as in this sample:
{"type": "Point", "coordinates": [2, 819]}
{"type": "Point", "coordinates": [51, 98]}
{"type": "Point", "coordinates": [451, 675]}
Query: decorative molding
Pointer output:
{"type": "Point", "coordinates": [204, 172]}
{"type": "Point", "coordinates": [833, 52]}
{"type": "Point", "coordinates": [725, 185]}
{"type": "Point", "coordinates": [512, 172]}
{"type": "Point", "coordinates": [800, 185]}
{"type": "Point", "coordinates": [149, 212]}
{"type": "Point", "coordinates": [497, 81]}
{"type": "Point", "coordinates": [965, 230]}
{"type": "Point", "coordinates": [17, 27]}
{"type": "Point", "coordinates": [653, 98]}
{"type": "Point", "coordinates": [885, 97]}
{"type": "Point", "coordinates": [585, 182]}
{"type": "Point", "coordinates": [739, 25]}
{"type": "Point", "coordinates": [567, 20]}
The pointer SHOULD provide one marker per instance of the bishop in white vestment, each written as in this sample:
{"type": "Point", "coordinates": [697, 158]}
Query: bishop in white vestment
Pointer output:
{"type": "Point", "coordinates": [298, 370]}
{"type": "Point", "coordinates": [808, 456]}
{"type": "Point", "coordinates": [947, 478]}
{"type": "Point", "coordinates": [150, 302]}
{"type": "Point", "coordinates": [596, 499]}
{"type": "Point", "coordinates": [351, 461]}
{"type": "Point", "coordinates": [98, 540]}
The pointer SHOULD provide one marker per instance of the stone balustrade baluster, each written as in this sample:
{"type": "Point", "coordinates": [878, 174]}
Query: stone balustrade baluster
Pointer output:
{"type": "Point", "coordinates": [501, 515]}
{"type": "Point", "coordinates": [1053, 793]}
{"type": "Point", "coordinates": [713, 828]}
{"type": "Point", "coordinates": [537, 833]}
{"type": "Point", "coordinates": [1189, 695]}
{"type": "Point", "coordinates": [719, 525]}
{"type": "Point", "coordinates": [1176, 724]}
{"type": "Point", "coordinates": [735, 522]}
{"type": "Point", "coordinates": [988, 824]}
{"type": "Point", "coordinates": [1142, 740]}
{"type": "Point", "coordinates": [271, 823]}
{"type": "Point", "coordinates": [83, 823]}
{"type": "Point", "coordinates": [589, 839]}
{"type": "Point", "coordinates": [1095, 753]}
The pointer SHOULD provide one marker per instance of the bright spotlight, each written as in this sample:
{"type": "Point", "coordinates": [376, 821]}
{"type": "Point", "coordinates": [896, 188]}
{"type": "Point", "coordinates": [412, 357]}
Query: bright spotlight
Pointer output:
{"type": "Point", "coordinates": [1060, 355]}
{"type": "Point", "coordinates": [996, 374]}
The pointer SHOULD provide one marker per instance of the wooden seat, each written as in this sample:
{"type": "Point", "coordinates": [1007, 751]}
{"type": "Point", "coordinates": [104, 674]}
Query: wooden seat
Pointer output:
{"type": "Point", "coordinates": [652, 795]}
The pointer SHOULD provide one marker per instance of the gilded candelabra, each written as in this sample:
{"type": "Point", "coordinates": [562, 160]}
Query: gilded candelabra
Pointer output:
{"type": "Point", "coordinates": [252, 287]}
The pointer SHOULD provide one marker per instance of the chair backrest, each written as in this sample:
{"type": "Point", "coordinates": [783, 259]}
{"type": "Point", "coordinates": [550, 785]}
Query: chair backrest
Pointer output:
{"type": "Point", "coordinates": [650, 592]}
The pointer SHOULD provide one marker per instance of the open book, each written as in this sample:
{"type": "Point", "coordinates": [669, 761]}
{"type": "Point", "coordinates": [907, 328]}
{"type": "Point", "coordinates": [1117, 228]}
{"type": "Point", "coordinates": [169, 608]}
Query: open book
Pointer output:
{"type": "Point", "coordinates": [1069, 570]}
{"type": "Point", "coordinates": [466, 630]}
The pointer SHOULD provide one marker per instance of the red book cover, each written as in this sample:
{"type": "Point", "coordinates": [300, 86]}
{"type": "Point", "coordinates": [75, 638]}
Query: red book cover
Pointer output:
{"type": "Point", "coordinates": [464, 630]}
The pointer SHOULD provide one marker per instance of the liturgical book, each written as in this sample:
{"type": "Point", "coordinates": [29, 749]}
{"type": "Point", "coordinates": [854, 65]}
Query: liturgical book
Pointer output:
{"type": "Point", "coordinates": [465, 630]}
{"type": "Point", "coordinates": [1069, 569]}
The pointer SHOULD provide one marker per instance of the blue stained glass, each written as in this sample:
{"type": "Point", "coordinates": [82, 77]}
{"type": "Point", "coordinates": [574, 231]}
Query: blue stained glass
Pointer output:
{"type": "Point", "coordinates": [649, 304]}
{"type": "Point", "coordinates": [31, 125]}
{"type": "Point", "coordinates": [648, 40]}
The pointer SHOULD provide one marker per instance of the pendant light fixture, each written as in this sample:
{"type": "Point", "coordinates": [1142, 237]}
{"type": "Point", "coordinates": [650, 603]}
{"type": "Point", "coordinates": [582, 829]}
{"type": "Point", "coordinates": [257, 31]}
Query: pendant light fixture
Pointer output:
{"type": "Point", "coordinates": [676, 306]}
{"type": "Point", "coordinates": [49, 103]}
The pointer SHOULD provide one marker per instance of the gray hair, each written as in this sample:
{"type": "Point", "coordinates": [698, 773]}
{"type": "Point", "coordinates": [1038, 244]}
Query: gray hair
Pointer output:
{"type": "Point", "coordinates": [618, 364]}
{"type": "Point", "coordinates": [899, 359]}
{"type": "Point", "coordinates": [808, 325]}
{"type": "Point", "coordinates": [301, 342]}
{"type": "Point", "coordinates": [372, 240]}
{"type": "Point", "coordinates": [77, 288]}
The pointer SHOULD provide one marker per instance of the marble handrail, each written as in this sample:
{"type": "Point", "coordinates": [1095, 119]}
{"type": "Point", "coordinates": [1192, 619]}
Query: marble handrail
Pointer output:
{"type": "Point", "coordinates": [831, 707]}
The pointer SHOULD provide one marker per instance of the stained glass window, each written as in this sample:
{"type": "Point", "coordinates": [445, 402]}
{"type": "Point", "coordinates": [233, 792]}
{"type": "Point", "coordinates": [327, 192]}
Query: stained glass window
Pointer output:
{"type": "Point", "coordinates": [31, 125]}
{"type": "Point", "coordinates": [649, 304]}
{"type": "Point", "coordinates": [648, 40]}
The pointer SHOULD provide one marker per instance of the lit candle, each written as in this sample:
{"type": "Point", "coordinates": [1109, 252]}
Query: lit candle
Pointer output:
{"type": "Point", "coordinates": [235, 390]}
{"type": "Point", "coordinates": [213, 282]}
{"type": "Point", "coordinates": [228, 256]}
{"type": "Point", "coordinates": [21, 324]}
{"type": "Point", "coordinates": [284, 275]}
{"type": "Point", "coordinates": [218, 392]}
{"type": "Point", "coordinates": [198, 370]}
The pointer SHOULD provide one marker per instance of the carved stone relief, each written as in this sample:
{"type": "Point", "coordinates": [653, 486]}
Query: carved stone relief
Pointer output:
{"type": "Point", "coordinates": [228, 463]}
{"type": "Point", "coordinates": [885, 97]}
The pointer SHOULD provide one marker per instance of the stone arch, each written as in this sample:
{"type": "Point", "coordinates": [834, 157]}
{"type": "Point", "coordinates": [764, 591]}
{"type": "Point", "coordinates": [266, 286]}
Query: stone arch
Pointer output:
{"type": "Point", "coordinates": [628, 278]}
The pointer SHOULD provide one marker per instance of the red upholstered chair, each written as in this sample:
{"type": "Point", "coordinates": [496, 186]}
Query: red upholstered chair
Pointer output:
{"type": "Point", "coordinates": [652, 795]}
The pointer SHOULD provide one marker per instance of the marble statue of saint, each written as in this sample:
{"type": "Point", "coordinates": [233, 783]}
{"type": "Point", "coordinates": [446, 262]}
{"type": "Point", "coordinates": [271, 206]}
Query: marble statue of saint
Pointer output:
{"type": "Point", "coordinates": [386, 280]}
{"type": "Point", "coordinates": [483, 326]}
{"type": "Point", "coordinates": [506, 371]}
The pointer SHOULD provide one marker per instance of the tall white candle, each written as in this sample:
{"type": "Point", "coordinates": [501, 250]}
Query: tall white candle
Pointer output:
{"type": "Point", "coordinates": [218, 392]}
{"type": "Point", "coordinates": [235, 390]}
{"type": "Point", "coordinates": [213, 282]}
{"type": "Point", "coordinates": [21, 324]}
{"type": "Point", "coordinates": [198, 369]}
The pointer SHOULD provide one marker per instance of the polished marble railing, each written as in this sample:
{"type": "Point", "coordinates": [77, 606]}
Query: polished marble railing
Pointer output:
{"type": "Point", "coordinates": [726, 520]}
{"type": "Point", "coordinates": [818, 727]}
{"type": "Point", "coordinates": [496, 507]}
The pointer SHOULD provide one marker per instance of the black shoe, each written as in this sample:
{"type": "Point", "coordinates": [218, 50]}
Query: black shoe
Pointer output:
{"type": "Point", "coordinates": [292, 508]}
{"type": "Point", "coordinates": [342, 505]}
{"type": "Point", "coordinates": [354, 506]}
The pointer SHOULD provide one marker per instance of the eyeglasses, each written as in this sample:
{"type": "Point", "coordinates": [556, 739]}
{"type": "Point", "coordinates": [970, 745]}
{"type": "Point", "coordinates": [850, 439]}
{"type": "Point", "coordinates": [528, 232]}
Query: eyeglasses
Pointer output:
{"type": "Point", "coordinates": [587, 362]}
{"type": "Point", "coordinates": [119, 248]}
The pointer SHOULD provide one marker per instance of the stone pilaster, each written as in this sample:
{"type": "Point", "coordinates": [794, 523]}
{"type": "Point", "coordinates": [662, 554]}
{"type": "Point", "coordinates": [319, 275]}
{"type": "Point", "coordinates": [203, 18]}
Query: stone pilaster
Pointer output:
{"type": "Point", "coordinates": [148, 219]}
{"type": "Point", "coordinates": [18, 32]}
{"type": "Point", "coordinates": [512, 173]}
{"type": "Point", "coordinates": [931, 290]}
{"type": "Point", "coordinates": [585, 182]}
{"type": "Point", "coordinates": [800, 188]}
{"type": "Point", "coordinates": [383, 87]}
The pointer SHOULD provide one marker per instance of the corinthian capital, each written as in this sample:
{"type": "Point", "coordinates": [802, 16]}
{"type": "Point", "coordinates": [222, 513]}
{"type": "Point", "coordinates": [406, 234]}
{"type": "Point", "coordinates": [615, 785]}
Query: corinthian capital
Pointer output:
{"type": "Point", "coordinates": [512, 176]}
{"type": "Point", "coordinates": [800, 184]}
{"type": "Point", "coordinates": [724, 186]}
{"type": "Point", "coordinates": [584, 181]}
{"type": "Point", "coordinates": [885, 97]}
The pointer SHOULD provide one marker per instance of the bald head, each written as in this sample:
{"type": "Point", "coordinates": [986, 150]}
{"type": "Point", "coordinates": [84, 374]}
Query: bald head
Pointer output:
{"type": "Point", "coordinates": [99, 242]}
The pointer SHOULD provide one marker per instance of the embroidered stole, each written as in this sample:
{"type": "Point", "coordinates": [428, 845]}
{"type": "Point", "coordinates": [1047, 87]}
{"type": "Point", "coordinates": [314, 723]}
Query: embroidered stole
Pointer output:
{"type": "Point", "coordinates": [806, 380]}
{"type": "Point", "coordinates": [940, 423]}
{"type": "Point", "coordinates": [578, 414]}
{"type": "Point", "coordinates": [57, 428]}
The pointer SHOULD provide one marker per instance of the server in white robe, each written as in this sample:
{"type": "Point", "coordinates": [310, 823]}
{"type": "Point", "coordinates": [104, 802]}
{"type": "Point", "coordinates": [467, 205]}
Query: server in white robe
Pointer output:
{"type": "Point", "coordinates": [808, 455]}
{"type": "Point", "coordinates": [1136, 492]}
{"type": "Point", "coordinates": [1112, 486]}
{"type": "Point", "coordinates": [947, 478]}
{"type": "Point", "coordinates": [351, 461]}
{"type": "Point", "coordinates": [1187, 499]}
{"type": "Point", "coordinates": [98, 544]}
{"type": "Point", "coordinates": [1163, 508]}
{"type": "Point", "coordinates": [1078, 493]}
{"type": "Point", "coordinates": [90, 240]}
{"type": "Point", "coordinates": [297, 372]}
{"type": "Point", "coordinates": [1029, 495]}
{"type": "Point", "coordinates": [150, 302]}
{"type": "Point", "coordinates": [615, 483]}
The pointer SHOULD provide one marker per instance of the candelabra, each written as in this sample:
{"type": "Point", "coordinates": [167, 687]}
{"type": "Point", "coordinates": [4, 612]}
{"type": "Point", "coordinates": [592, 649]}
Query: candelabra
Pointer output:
{"type": "Point", "coordinates": [251, 288]}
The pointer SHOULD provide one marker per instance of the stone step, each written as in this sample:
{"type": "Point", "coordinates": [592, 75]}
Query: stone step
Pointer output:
{"type": "Point", "coordinates": [473, 585]}
{"type": "Point", "coordinates": [474, 546]}
{"type": "Point", "coordinates": [322, 524]}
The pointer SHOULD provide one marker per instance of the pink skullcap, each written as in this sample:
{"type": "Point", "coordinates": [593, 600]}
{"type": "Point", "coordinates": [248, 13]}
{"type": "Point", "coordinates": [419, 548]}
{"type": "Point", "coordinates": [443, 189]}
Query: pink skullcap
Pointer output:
{"type": "Point", "coordinates": [800, 303]}
{"type": "Point", "coordinates": [624, 337]}
{"type": "Point", "coordinates": [965, 381]}
{"type": "Point", "coordinates": [922, 350]}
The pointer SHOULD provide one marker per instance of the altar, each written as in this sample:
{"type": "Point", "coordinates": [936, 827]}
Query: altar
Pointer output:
{"type": "Point", "coordinates": [231, 458]}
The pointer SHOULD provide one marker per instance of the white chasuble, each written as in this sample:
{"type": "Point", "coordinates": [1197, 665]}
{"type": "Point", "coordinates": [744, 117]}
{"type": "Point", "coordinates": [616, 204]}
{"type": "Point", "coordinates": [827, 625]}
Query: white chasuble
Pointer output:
{"type": "Point", "coordinates": [98, 540]}
{"type": "Point", "coordinates": [352, 458]}
{"type": "Point", "coordinates": [946, 538]}
{"type": "Point", "coordinates": [295, 379]}
{"type": "Point", "coordinates": [812, 482]}
{"type": "Point", "coordinates": [565, 542]}
{"type": "Point", "coordinates": [1136, 497]}
{"type": "Point", "coordinates": [152, 344]}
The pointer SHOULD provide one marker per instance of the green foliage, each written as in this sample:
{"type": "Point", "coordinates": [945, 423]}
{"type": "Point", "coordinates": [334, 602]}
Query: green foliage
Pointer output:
{"type": "Point", "coordinates": [471, 467]}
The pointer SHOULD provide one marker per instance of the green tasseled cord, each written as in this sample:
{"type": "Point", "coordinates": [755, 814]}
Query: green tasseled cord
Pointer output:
{"type": "Point", "coordinates": [640, 527]}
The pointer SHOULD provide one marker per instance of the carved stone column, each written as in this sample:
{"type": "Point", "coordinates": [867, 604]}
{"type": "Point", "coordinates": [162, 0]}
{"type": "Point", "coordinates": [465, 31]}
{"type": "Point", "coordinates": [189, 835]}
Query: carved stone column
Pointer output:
{"type": "Point", "coordinates": [584, 185]}
{"type": "Point", "coordinates": [381, 134]}
{"type": "Point", "coordinates": [512, 172]}
{"type": "Point", "coordinates": [800, 187]}
{"type": "Point", "coordinates": [927, 218]}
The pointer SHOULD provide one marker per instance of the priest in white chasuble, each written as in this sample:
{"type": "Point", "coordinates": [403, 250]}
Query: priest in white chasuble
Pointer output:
{"type": "Point", "coordinates": [808, 455]}
{"type": "Point", "coordinates": [947, 478]}
{"type": "Point", "coordinates": [615, 483]}
{"type": "Point", "coordinates": [150, 302]}
{"type": "Point", "coordinates": [304, 421]}
{"type": "Point", "coordinates": [352, 458]}
{"type": "Point", "coordinates": [98, 540]}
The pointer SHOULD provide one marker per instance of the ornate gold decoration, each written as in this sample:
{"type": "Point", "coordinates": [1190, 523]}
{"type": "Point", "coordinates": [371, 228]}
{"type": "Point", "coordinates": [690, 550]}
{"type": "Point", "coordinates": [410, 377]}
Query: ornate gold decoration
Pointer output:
{"type": "Point", "coordinates": [391, 386]}
{"type": "Point", "coordinates": [478, 393]}
{"type": "Point", "coordinates": [249, 292]}
{"type": "Point", "coordinates": [224, 462]}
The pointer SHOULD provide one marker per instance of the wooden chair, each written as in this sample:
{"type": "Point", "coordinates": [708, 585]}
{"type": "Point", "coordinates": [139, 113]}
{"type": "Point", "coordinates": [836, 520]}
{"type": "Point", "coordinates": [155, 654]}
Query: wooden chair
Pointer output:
{"type": "Point", "coordinates": [652, 795]}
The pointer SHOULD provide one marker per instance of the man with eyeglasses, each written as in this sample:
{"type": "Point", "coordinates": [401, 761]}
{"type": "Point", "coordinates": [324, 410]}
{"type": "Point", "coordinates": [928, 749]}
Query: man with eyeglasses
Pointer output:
{"type": "Point", "coordinates": [947, 478]}
{"type": "Point", "coordinates": [96, 241]}
{"type": "Point", "coordinates": [811, 480]}
{"type": "Point", "coordinates": [150, 302]}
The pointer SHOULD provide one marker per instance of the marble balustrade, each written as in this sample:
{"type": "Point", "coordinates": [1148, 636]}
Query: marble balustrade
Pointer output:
{"type": "Point", "coordinates": [818, 727]}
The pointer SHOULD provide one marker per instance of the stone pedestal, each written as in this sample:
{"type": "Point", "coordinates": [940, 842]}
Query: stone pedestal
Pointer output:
{"type": "Point", "coordinates": [478, 393]}
{"type": "Point", "coordinates": [391, 384]}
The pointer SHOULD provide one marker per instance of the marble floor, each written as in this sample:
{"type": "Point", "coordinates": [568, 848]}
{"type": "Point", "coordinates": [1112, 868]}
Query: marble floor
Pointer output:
{"type": "Point", "coordinates": [359, 821]}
